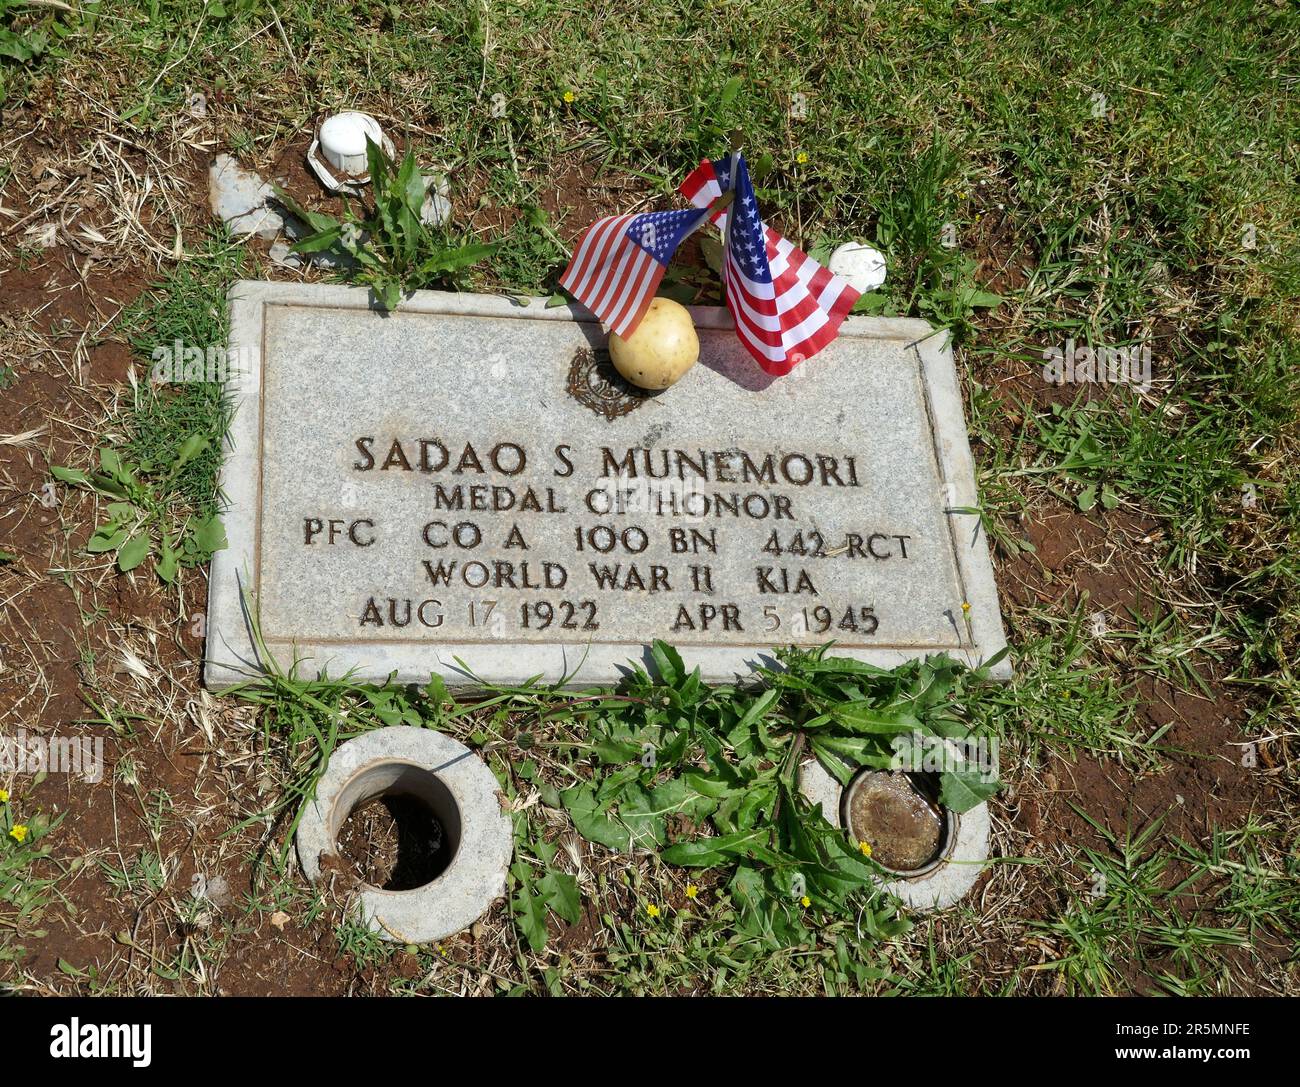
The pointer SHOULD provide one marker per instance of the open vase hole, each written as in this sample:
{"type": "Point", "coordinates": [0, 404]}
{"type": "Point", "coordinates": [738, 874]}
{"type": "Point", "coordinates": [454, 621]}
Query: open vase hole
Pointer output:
{"type": "Point", "coordinates": [400, 827]}
{"type": "Point", "coordinates": [900, 816]}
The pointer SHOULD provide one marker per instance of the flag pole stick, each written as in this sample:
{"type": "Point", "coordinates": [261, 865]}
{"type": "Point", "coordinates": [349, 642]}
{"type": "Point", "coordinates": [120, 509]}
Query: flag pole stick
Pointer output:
{"type": "Point", "coordinates": [720, 204]}
{"type": "Point", "coordinates": [736, 140]}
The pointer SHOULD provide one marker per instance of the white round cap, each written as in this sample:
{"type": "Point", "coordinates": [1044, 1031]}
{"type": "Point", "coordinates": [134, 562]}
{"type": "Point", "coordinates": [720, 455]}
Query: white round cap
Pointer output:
{"type": "Point", "coordinates": [343, 140]}
{"type": "Point", "coordinates": [861, 265]}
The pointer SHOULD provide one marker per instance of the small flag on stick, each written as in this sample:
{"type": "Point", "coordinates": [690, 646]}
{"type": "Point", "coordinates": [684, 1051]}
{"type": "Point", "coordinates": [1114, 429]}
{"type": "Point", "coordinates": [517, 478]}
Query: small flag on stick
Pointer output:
{"type": "Point", "coordinates": [620, 261]}
{"type": "Point", "coordinates": [785, 305]}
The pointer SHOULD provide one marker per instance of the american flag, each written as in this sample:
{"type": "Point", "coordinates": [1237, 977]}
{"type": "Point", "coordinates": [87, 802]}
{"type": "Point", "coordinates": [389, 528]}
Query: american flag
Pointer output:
{"type": "Point", "coordinates": [619, 262]}
{"type": "Point", "coordinates": [785, 305]}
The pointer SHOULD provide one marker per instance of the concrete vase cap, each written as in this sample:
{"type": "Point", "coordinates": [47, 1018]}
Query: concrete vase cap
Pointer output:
{"type": "Point", "coordinates": [343, 140]}
{"type": "Point", "coordinates": [861, 265]}
{"type": "Point", "coordinates": [238, 197]}
{"type": "Point", "coordinates": [963, 857]}
{"type": "Point", "coordinates": [436, 209]}
{"type": "Point", "coordinates": [464, 796]}
{"type": "Point", "coordinates": [963, 861]}
{"type": "Point", "coordinates": [820, 788]}
{"type": "Point", "coordinates": [340, 149]}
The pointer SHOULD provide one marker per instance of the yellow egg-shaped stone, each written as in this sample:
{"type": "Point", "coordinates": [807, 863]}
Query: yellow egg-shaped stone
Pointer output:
{"type": "Point", "coordinates": [661, 348]}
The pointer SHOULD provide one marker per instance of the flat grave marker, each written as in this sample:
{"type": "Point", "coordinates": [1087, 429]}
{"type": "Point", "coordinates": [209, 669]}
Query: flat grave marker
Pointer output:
{"type": "Point", "coordinates": [468, 478]}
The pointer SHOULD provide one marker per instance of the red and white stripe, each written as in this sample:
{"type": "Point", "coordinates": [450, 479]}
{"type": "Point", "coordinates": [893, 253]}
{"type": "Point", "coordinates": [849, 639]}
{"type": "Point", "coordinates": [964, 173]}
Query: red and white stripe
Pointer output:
{"type": "Point", "coordinates": [701, 188]}
{"type": "Point", "coordinates": [613, 276]}
{"type": "Point", "coordinates": [784, 322]}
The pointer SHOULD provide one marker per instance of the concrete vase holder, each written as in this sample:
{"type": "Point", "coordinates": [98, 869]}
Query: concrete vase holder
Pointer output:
{"type": "Point", "coordinates": [937, 885]}
{"type": "Point", "coordinates": [337, 155]}
{"type": "Point", "coordinates": [465, 798]}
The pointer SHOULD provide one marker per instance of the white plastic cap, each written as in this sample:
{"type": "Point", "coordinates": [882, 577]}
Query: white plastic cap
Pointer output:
{"type": "Point", "coordinates": [343, 140]}
{"type": "Point", "coordinates": [861, 265]}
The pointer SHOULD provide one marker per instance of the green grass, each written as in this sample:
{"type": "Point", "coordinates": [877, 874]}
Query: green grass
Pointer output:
{"type": "Point", "coordinates": [934, 973]}
{"type": "Point", "coordinates": [188, 305]}
{"type": "Point", "coordinates": [1064, 696]}
{"type": "Point", "coordinates": [139, 878]}
{"type": "Point", "coordinates": [1160, 920]}
{"type": "Point", "coordinates": [1253, 885]}
{"type": "Point", "coordinates": [26, 887]}
{"type": "Point", "coordinates": [158, 483]}
{"type": "Point", "coordinates": [389, 248]}
{"type": "Point", "coordinates": [29, 34]}
{"type": "Point", "coordinates": [1166, 647]}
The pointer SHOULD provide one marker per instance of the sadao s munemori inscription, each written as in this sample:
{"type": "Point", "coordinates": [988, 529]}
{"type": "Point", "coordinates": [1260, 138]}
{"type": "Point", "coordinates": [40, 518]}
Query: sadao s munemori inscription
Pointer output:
{"type": "Point", "coordinates": [451, 481]}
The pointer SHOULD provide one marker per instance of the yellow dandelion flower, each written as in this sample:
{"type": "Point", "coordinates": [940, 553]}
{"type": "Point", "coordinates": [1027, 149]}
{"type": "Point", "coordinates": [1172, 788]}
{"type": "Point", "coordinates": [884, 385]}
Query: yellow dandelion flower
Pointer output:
{"type": "Point", "coordinates": [805, 902]}
{"type": "Point", "coordinates": [569, 96]}
{"type": "Point", "coordinates": [801, 157]}
{"type": "Point", "coordinates": [4, 796]}
{"type": "Point", "coordinates": [19, 833]}
{"type": "Point", "coordinates": [651, 909]}
{"type": "Point", "coordinates": [864, 848]}
{"type": "Point", "coordinates": [965, 607]}
{"type": "Point", "coordinates": [691, 890]}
